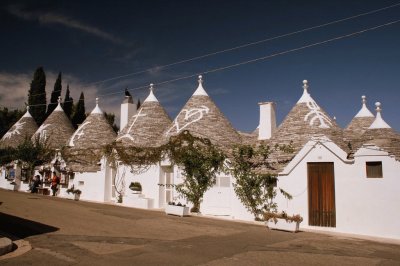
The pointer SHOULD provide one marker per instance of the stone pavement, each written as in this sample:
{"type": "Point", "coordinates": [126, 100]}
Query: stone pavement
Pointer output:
{"type": "Point", "coordinates": [66, 232]}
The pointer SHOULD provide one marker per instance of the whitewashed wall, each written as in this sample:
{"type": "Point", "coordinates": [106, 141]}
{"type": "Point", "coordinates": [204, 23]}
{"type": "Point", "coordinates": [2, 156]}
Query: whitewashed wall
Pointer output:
{"type": "Point", "coordinates": [4, 183]}
{"type": "Point", "coordinates": [149, 181]}
{"type": "Point", "coordinates": [366, 206]}
{"type": "Point", "coordinates": [18, 186]}
{"type": "Point", "coordinates": [92, 184]}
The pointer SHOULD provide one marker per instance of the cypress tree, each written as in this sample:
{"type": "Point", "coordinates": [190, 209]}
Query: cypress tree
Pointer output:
{"type": "Point", "coordinates": [138, 104]}
{"type": "Point", "coordinates": [54, 95]}
{"type": "Point", "coordinates": [8, 119]}
{"type": "Point", "coordinates": [68, 103]}
{"type": "Point", "coordinates": [37, 96]}
{"type": "Point", "coordinates": [111, 120]}
{"type": "Point", "coordinates": [79, 115]}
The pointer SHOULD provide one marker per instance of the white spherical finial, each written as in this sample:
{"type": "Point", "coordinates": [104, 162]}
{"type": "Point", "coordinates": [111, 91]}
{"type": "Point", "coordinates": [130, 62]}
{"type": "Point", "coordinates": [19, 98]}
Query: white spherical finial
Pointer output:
{"type": "Point", "coordinates": [364, 99]}
{"type": "Point", "coordinates": [305, 84]}
{"type": "Point", "coordinates": [27, 108]}
{"type": "Point", "coordinates": [59, 99]}
{"type": "Point", "coordinates": [97, 101]}
{"type": "Point", "coordinates": [151, 87]}
{"type": "Point", "coordinates": [200, 79]}
{"type": "Point", "coordinates": [378, 106]}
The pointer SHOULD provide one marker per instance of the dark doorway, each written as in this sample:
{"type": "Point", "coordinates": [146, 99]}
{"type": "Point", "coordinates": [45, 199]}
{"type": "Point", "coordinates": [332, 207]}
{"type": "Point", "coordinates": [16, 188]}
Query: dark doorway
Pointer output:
{"type": "Point", "coordinates": [321, 194]}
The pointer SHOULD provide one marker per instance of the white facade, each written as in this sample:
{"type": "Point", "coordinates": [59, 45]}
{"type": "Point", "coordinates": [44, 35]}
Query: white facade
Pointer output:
{"type": "Point", "coordinates": [365, 206]}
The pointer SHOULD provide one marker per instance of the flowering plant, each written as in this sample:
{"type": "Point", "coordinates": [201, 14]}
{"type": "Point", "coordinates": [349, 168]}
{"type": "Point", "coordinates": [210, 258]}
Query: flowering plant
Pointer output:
{"type": "Point", "coordinates": [176, 204]}
{"type": "Point", "coordinates": [283, 215]}
{"type": "Point", "coordinates": [73, 190]}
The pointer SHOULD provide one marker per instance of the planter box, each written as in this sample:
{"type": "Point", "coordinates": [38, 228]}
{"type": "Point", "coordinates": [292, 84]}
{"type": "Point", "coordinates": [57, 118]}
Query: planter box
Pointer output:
{"type": "Point", "coordinates": [69, 196]}
{"type": "Point", "coordinates": [72, 196]}
{"type": "Point", "coordinates": [77, 196]}
{"type": "Point", "coordinates": [283, 225]}
{"type": "Point", "coordinates": [137, 201]}
{"type": "Point", "coordinates": [177, 210]}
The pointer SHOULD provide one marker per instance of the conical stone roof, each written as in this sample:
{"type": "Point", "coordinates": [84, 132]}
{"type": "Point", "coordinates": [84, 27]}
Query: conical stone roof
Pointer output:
{"type": "Point", "coordinates": [94, 132]}
{"type": "Point", "coordinates": [305, 120]}
{"type": "Point", "coordinates": [360, 123]}
{"type": "Point", "coordinates": [56, 130]}
{"type": "Point", "coordinates": [147, 125]}
{"type": "Point", "coordinates": [382, 135]}
{"type": "Point", "coordinates": [24, 128]}
{"type": "Point", "coordinates": [202, 118]}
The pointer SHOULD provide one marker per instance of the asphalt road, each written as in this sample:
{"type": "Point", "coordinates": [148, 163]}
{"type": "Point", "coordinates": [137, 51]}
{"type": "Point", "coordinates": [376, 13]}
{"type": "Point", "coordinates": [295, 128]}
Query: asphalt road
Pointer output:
{"type": "Point", "coordinates": [66, 232]}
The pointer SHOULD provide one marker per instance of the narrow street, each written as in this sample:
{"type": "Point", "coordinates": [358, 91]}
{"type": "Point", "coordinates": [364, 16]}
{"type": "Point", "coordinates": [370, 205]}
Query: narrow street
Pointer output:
{"type": "Point", "coordinates": [66, 232]}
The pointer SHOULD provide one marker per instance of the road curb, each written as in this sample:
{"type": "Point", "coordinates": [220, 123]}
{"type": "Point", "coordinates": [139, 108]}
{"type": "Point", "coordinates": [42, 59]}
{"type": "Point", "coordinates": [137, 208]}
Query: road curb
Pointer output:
{"type": "Point", "coordinates": [22, 247]}
{"type": "Point", "coordinates": [5, 245]}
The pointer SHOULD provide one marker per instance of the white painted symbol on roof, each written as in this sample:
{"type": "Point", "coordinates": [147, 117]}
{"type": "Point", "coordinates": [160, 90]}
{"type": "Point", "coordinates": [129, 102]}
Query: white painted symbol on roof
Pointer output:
{"type": "Point", "coordinates": [316, 114]}
{"type": "Point", "coordinates": [43, 132]}
{"type": "Point", "coordinates": [136, 116]}
{"type": "Point", "coordinates": [78, 133]}
{"type": "Point", "coordinates": [191, 116]}
{"type": "Point", "coordinates": [17, 127]}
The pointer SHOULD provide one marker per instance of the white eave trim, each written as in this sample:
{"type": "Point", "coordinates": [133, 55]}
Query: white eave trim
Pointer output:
{"type": "Point", "coordinates": [309, 146]}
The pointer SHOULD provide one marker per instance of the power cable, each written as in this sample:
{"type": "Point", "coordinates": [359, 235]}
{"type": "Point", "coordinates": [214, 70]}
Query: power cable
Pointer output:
{"type": "Point", "coordinates": [259, 58]}
{"type": "Point", "coordinates": [237, 47]}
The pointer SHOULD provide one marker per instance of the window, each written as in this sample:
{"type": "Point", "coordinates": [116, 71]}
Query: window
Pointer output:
{"type": "Point", "coordinates": [223, 181]}
{"type": "Point", "coordinates": [374, 169]}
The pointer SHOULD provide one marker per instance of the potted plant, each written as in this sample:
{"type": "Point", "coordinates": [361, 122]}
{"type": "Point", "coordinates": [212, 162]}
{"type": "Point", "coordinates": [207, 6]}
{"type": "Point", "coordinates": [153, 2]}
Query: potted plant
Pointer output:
{"type": "Point", "coordinates": [177, 209]}
{"type": "Point", "coordinates": [75, 192]}
{"type": "Point", "coordinates": [119, 198]}
{"type": "Point", "coordinates": [282, 221]}
{"type": "Point", "coordinates": [136, 187]}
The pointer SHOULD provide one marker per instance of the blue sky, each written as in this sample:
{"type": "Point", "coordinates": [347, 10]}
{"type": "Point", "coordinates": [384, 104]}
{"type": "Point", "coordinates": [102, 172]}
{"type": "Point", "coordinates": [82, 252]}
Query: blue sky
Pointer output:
{"type": "Point", "coordinates": [90, 41]}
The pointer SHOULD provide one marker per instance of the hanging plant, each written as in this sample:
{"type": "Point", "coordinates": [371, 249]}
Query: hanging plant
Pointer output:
{"type": "Point", "coordinates": [135, 186]}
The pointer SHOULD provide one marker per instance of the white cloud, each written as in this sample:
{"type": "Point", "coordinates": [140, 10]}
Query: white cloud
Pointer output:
{"type": "Point", "coordinates": [14, 90]}
{"type": "Point", "coordinates": [53, 18]}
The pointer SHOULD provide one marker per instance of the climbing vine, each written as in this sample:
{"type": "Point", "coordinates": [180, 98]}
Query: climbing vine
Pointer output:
{"type": "Point", "coordinates": [255, 185]}
{"type": "Point", "coordinates": [199, 160]}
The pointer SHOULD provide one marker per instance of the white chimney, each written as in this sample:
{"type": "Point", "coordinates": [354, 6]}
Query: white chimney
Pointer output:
{"type": "Point", "coordinates": [267, 120]}
{"type": "Point", "coordinates": [128, 109]}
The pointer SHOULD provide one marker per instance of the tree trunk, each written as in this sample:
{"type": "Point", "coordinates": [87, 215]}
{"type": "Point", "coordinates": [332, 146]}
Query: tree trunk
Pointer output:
{"type": "Point", "coordinates": [196, 207]}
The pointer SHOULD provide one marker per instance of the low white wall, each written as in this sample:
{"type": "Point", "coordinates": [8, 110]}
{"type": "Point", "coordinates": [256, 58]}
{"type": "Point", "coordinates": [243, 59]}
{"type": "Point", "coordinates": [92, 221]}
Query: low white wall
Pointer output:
{"type": "Point", "coordinates": [18, 184]}
{"type": "Point", "coordinates": [149, 181]}
{"type": "Point", "coordinates": [91, 184]}
{"type": "Point", "coordinates": [5, 183]}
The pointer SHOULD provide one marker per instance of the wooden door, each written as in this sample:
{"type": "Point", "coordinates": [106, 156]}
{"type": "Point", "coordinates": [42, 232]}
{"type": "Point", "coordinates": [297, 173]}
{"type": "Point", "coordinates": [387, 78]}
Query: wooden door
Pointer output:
{"type": "Point", "coordinates": [321, 194]}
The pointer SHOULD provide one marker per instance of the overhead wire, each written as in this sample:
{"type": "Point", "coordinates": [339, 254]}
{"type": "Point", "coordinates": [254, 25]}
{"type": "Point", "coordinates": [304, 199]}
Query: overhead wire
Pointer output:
{"type": "Point", "coordinates": [238, 47]}
{"type": "Point", "coordinates": [266, 57]}
{"type": "Point", "coordinates": [259, 58]}
{"type": "Point", "coordinates": [247, 44]}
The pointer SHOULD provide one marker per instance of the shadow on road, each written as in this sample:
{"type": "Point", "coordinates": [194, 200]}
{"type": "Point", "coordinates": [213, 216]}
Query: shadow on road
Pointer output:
{"type": "Point", "coordinates": [17, 228]}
